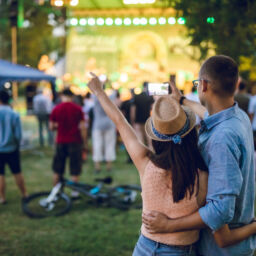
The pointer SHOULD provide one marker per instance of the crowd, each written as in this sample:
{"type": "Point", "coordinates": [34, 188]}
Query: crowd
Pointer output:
{"type": "Point", "coordinates": [194, 155]}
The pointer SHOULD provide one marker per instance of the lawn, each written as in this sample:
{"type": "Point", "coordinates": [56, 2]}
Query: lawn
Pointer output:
{"type": "Point", "coordinates": [85, 230]}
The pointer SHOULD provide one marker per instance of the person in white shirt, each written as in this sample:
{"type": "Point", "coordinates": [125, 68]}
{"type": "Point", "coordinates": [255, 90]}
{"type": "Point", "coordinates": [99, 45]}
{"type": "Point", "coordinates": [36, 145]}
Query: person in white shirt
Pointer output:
{"type": "Point", "coordinates": [42, 107]}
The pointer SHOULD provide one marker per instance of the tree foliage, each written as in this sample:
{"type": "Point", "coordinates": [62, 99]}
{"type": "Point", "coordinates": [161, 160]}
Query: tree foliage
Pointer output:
{"type": "Point", "coordinates": [37, 38]}
{"type": "Point", "coordinates": [233, 31]}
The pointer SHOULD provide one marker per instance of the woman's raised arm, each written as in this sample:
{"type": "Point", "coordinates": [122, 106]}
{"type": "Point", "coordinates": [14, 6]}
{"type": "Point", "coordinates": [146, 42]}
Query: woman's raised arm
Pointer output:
{"type": "Point", "coordinates": [135, 148]}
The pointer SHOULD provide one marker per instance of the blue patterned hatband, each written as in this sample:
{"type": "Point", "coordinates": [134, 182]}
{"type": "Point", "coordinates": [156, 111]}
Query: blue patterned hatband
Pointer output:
{"type": "Point", "coordinates": [176, 138]}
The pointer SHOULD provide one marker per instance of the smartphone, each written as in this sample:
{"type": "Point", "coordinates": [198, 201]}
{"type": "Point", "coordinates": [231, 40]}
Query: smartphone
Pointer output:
{"type": "Point", "coordinates": [158, 89]}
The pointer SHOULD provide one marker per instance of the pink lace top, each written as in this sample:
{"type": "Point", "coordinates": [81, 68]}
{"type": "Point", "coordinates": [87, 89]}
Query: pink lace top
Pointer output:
{"type": "Point", "coordinates": [157, 195]}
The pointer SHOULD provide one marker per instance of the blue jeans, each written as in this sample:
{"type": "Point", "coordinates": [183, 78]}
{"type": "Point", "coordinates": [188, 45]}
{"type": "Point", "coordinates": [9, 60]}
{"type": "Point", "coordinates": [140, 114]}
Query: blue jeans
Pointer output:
{"type": "Point", "coordinates": [148, 247]}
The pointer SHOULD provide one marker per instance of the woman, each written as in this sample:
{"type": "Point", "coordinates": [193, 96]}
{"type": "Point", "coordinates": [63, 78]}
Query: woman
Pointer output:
{"type": "Point", "coordinates": [171, 177]}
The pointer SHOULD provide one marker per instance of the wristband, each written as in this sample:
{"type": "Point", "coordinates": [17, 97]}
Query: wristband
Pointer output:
{"type": "Point", "coordinates": [182, 98]}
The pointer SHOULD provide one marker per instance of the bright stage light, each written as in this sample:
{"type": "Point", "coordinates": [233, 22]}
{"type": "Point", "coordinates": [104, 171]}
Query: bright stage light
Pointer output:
{"type": "Point", "coordinates": [83, 22]}
{"type": "Point", "coordinates": [100, 21]}
{"type": "Point", "coordinates": [137, 90]}
{"type": "Point", "coordinates": [152, 21]}
{"type": "Point", "coordinates": [118, 21]}
{"type": "Point", "coordinates": [171, 20]}
{"type": "Point", "coordinates": [127, 21]}
{"type": "Point", "coordinates": [143, 21]}
{"type": "Point", "coordinates": [91, 22]}
{"type": "Point", "coordinates": [74, 2]}
{"type": "Point", "coordinates": [109, 21]}
{"type": "Point", "coordinates": [181, 21]}
{"type": "Point", "coordinates": [210, 20]}
{"type": "Point", "coordinates": [103, 78]}
{"type": "Point", "coordinates": [138, 1]}
{"type": "Point", "coordinates": [123, 77]}
{"type": "Point", "coordinates": [73, 21]}
{"type": "Point", "coordinates": [58, 3]}
{"type": "Point", "coordinates": [162, 21]}
{"type": "Point", "coordinates": [136, 21]}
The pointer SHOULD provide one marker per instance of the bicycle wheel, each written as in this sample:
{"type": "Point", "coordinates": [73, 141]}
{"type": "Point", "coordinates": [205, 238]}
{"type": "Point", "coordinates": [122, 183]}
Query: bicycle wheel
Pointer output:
{"type": "Point", "coordinates": [35, 206]}
{"type": "Point", "coordinates": [126, 197]}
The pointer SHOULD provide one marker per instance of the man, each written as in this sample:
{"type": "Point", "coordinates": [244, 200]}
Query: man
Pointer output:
{"type": "Point", "coordinates": [226, 144]}
{"type": "Point", "coordinates": [67, 117]}
{"type": "Point", "coordinates": [242, 97]}
{"type": "Point", "coordinates": [193, 95]}
{"type": "Point", "coordinates": [10, 137]}
{"type": "Point", "coordinates": [140, 112]}
{"type": "Point", "coordinates": [42, 107]}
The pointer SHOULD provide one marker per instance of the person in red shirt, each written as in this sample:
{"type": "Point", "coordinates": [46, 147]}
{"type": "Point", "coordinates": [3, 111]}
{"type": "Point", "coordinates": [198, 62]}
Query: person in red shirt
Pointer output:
{"type": "Point", "coordinates": [68, 119]}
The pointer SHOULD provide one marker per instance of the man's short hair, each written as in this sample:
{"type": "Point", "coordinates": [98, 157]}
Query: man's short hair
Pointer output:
{"type": "Point", "coordinates": [67, 92]}
{"type": "Point", "coordinates": [222, 72]}
{"type": "Point", "coordinates": [4, 96]}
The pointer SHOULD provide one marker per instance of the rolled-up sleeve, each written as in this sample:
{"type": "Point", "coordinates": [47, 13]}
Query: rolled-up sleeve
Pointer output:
{"type": "Point", "coordinates": [224, 183]}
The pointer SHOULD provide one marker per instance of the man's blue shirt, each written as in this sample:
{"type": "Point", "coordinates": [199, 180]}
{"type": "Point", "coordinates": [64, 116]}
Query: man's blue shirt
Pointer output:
{"type": "Point", "coordinates": [226, 145]}
{"type": "Point", "coordinates": [10, 130]}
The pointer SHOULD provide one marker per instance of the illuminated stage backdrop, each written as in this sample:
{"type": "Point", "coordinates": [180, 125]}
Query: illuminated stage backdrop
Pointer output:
{"type": "Point", "coordinates": [132, 54]}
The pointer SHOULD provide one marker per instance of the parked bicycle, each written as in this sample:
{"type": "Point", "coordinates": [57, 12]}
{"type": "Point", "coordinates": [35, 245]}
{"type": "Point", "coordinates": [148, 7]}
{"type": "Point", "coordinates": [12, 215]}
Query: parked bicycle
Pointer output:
{"type": "Point", "coordinates": [58, 201]}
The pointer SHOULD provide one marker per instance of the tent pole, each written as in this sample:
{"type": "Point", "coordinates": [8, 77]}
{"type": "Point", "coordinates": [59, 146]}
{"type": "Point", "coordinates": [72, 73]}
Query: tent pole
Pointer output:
{"type": "Point", "coordinates": [14, 60]}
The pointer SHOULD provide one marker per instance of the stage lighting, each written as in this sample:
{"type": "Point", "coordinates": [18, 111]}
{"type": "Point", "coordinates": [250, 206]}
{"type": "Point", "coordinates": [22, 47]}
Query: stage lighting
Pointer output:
{"type": "Point", "coordinates": [210, 20]}
{"type": "Point", "coordinates": [100, 21]}
{"type": "Point", "coordinates": [109, 21]}
{"type": "Point", "coordinates": [181, 20]}
{"type": "Point", "coordinates": [73, 21]}
{"type": "Point", "coordinates": [127, 21]}
{"type": "Point", "coordinates": [136, 21]}
{"type": "Point", "coordinates": [118, 21]}
{"type": "Point", "coordinates": [171, 20]}
{"type": "Point", "coordinates": [152, 21]}
{"type": "Point", "coordinates": [143, 21]}
{"type": "Point", "coordinates": [74, 2]}
{"type": "Point", "coordinates": [162, 21]}
{"type": "Point", "coordinates": [91, 22]}
{"type": "Point", "coordinates": [83, 22]}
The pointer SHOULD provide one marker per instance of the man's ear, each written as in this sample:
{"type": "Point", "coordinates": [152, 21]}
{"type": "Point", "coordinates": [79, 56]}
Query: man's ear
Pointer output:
{"type": "Point", "coordinates": [204, 86]}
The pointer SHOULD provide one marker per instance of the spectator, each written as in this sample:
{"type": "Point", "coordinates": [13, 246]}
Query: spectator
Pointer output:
{"type": "Point", "coordinates": [126, 110]}
{"type": "Point", "coordinates": [10, 138]}
{"type": "Point", "coordinates": [140, 111]}
{"type": "Point", "coordinates": [193, 95]}
{"type": "Point", "coordinates": [252, 115]}
{"type": "Point", "coordinates": [242, 97]}
{"type": "Point", "coordinates": [103, 137]}
{"type": "Point", "coordinates": [42, 107]}
{"type": "Point", "coordinates": [67, 117]}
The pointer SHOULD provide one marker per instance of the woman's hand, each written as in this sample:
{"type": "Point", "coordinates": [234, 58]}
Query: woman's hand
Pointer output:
{"type": "Point", "coordinates": [95, 85]}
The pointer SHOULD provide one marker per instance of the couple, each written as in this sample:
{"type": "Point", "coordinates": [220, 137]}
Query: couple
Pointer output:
{"type": "Point", "coordinates": [175, 176]}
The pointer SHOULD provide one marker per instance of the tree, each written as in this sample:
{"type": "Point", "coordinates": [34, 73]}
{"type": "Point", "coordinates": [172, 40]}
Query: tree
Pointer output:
{"type": "Point", "coordinates": [230, 30]}
{"type": "Point", "coordinates": [36, 38]}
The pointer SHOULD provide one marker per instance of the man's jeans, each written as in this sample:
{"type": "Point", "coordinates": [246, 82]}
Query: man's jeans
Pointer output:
{"type": "Point", "coordinates": [43, 120]}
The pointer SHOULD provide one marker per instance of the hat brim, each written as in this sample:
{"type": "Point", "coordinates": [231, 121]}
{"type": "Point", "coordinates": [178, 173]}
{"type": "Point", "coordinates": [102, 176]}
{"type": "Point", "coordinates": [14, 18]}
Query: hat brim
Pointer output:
{"type": "Point", "coordinates": [192, 122]}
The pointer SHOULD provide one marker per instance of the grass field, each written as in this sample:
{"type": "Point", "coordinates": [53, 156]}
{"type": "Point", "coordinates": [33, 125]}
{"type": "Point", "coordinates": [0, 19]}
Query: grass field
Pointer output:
{"type": "Point", "coordinates": [85, 230]}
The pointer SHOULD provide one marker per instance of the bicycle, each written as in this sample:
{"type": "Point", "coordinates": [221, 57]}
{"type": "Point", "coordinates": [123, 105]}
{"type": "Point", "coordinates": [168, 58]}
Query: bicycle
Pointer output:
{"type": "Point", "coordinates": [58, 201]}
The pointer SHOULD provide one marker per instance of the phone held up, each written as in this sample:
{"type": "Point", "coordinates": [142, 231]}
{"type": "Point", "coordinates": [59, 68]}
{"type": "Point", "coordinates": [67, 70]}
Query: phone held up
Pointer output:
{"type": "Point", "coordinates": [158, 89]}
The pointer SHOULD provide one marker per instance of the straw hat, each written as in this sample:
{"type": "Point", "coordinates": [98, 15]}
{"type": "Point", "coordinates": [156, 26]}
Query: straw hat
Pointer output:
{"type": "Point", "coordinates": [169, 120]}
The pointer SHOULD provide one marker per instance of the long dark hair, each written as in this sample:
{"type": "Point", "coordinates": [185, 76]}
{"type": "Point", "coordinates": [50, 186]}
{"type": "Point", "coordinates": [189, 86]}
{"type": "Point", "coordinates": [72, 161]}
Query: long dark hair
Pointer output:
{"type": "Point", "coordinates": [182, 160]}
